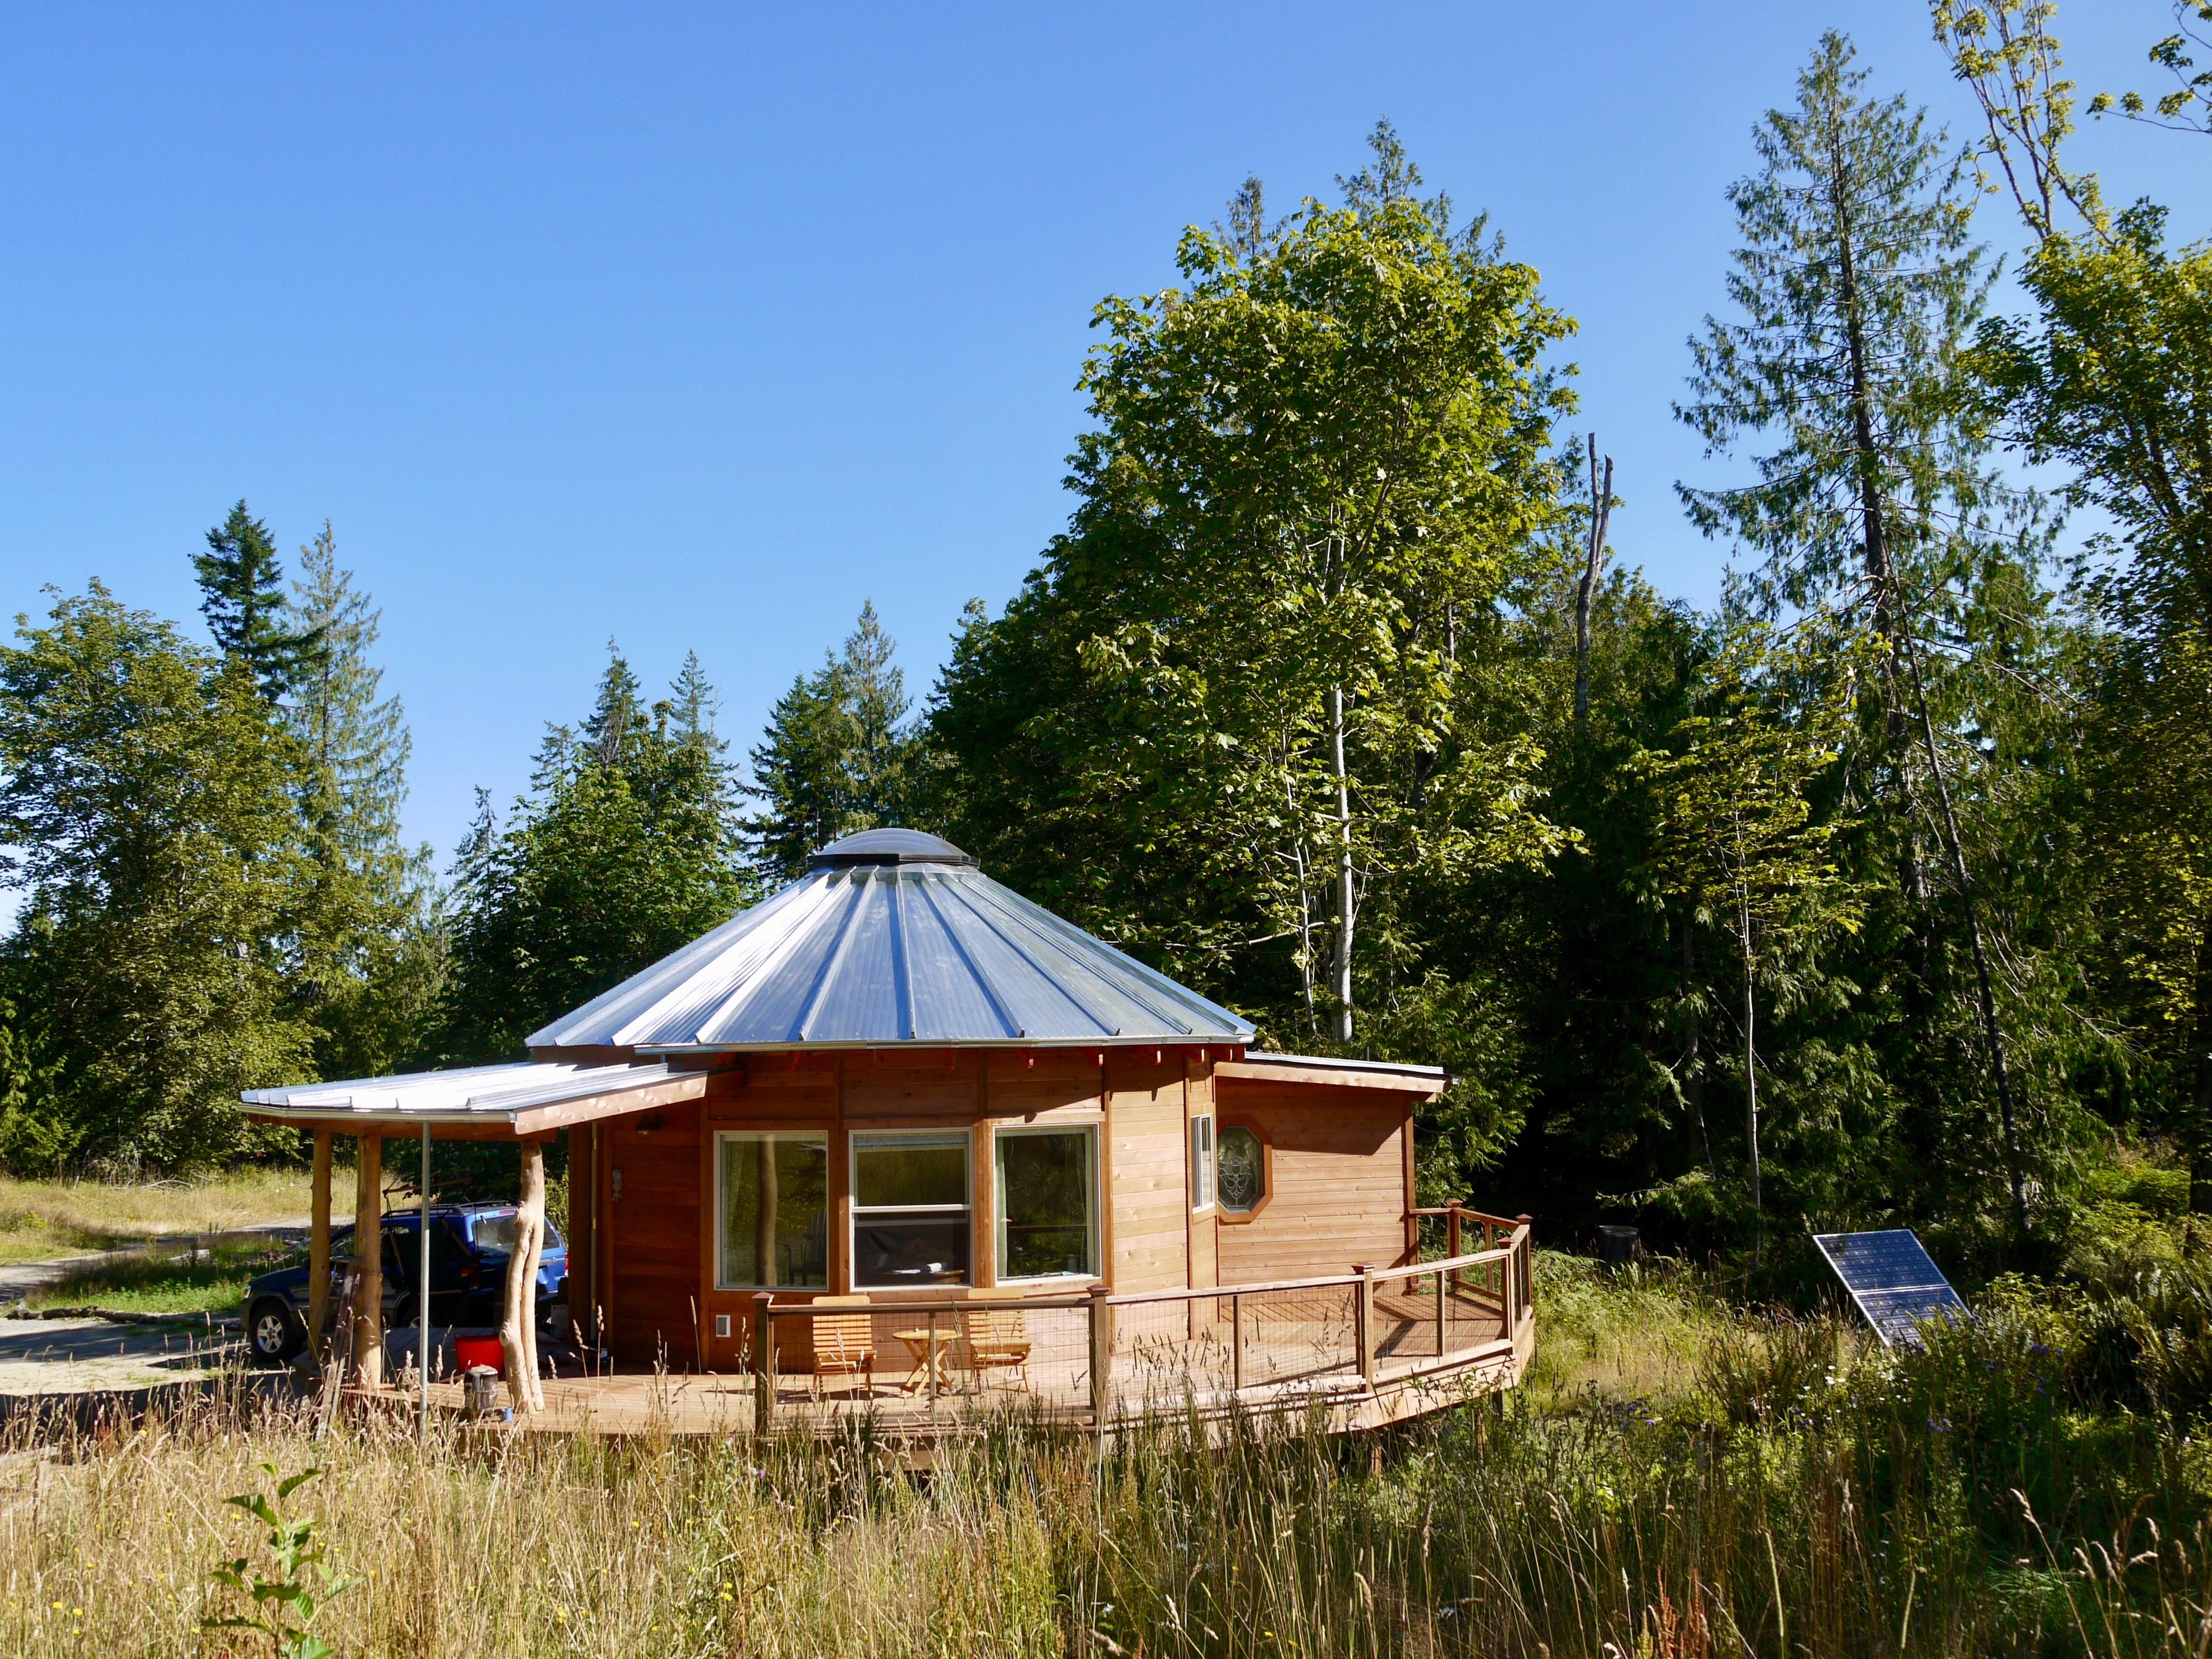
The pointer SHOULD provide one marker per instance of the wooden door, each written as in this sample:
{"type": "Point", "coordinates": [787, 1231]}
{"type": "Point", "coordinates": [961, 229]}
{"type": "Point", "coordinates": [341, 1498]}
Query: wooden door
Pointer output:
{"type": "Point", "coordinates": [652, 1189]}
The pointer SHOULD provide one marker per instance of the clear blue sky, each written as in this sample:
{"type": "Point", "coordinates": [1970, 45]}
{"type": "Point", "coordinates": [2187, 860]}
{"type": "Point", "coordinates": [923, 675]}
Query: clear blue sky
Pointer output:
{"type": "Point", "coordinates": [697, 326]}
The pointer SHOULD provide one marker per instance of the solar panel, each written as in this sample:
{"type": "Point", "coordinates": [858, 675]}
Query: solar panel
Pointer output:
{"type": "Point", "coordinates": [1893, 1281]}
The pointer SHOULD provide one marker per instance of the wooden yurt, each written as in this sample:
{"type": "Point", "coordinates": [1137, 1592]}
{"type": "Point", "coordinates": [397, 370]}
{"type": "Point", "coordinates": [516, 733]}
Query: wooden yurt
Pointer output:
{"type": "Point", "coordinates": [897, 1080]}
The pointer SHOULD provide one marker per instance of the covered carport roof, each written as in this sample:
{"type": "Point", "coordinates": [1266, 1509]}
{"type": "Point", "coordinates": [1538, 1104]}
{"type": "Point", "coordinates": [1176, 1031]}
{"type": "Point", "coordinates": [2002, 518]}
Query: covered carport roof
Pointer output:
{"type": "Point", "coordinates": [508, 1102]}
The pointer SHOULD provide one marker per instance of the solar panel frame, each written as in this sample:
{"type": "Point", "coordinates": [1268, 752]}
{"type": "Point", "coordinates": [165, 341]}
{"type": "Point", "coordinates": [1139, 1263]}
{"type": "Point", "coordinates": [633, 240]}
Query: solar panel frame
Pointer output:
{"type": "Point", "coordinates": [1893, 1282]}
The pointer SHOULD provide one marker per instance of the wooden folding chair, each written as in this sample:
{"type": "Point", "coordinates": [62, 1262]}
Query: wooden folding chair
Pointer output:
{"type": "Point", "coordinates": [995, 1336]}
{"type": "Point", "coordinates": [844, 1343]}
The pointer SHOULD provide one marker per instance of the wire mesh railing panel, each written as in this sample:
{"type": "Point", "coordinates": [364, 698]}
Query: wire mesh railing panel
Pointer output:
{"type": "Point", "coordinates": [903, 1361]}
{"type": "Point", "coordinates": [1237, 1343]}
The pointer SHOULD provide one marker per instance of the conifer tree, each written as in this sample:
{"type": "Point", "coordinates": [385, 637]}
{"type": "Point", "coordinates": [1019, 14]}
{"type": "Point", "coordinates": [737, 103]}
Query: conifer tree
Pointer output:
{"type": "Point", "coordinates": [242, 597]}
{"type": "Point", "coordinates": [837, 755]}
{"type": "Point", "coordinates": [624, 849]}
{"type": "Point", "coordinates": [369, 954]}
{"type": "Point", "coordinates": [1858, 286]}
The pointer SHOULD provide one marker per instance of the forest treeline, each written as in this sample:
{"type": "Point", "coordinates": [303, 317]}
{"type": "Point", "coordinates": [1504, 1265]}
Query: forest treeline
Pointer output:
{"type": "Point", "coordinates": [1880, 893]}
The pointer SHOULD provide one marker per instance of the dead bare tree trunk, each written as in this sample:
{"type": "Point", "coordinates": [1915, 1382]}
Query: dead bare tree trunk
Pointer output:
{"type": "Point", "coordinates": [518, 1328]}
{"type": "Point", "coordinates": [1593, 564]}
{"type": "Point", "coordinates": [1892, 616]}
{"type": "Point", "coordinates": [1751, 1076]}
{"type": "Point", "coordinates": [1694, 1061]}
{"type": "Point", "coordinates": [1344, 887]}
{"type": "Point", "coordinates": [1993, 1033]}
{"type": "Point", "coordinates": [2200, 1149]}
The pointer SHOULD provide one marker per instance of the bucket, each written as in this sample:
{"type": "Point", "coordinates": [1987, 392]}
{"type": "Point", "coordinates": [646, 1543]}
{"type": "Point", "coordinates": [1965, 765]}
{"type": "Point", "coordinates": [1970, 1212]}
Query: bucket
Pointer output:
{"type": "Point", "coordinates": [470, 1351]}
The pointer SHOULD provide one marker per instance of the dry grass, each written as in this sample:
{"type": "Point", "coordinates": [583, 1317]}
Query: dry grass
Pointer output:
{"type": "Point", "coordinates": [42, 1219]}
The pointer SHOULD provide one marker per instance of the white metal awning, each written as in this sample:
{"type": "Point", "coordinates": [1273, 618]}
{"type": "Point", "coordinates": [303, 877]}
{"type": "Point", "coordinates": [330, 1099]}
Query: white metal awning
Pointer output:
{"type": "Point", "coordinates": [527, 1097]}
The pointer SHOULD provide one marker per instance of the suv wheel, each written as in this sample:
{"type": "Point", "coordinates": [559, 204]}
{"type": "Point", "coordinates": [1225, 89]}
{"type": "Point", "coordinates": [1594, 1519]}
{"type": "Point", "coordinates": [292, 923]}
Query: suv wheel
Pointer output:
{"type": "Point", "coordinates": [274, 1331]}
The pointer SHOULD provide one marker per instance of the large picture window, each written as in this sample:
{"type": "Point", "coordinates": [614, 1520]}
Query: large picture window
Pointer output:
{"type": "Point", "coordinates": [1048, 1203]}
{"type": "Point", "coordinates": [910, 1209]}
{"type": "Point", "coordinates": [772, 1200]}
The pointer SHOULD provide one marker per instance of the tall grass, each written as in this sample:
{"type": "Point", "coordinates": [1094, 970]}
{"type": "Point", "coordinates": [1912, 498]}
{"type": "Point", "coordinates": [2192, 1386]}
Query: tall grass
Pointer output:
{"type": "Point", "coordinates": [1677, 1480]}
{"type": "Point", "coordinates": [1800, 1495]}
{"type": "Point", "coordinates": [39, 1219]}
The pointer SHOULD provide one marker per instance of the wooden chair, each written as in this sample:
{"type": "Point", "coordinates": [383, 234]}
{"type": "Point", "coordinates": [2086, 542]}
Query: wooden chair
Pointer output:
{"type": "Point", "coordinates": [844, 1343]}
{"type": "Point", "coordinates": [995, 1336]}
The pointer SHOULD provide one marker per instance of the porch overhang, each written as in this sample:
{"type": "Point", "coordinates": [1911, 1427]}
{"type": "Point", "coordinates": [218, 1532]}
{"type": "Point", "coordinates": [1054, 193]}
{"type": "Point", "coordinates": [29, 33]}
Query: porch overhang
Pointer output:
{"type": "Point", "coordinates": [1423, 1082]}
{"type": "Point", "coordinates": [514, 1101]}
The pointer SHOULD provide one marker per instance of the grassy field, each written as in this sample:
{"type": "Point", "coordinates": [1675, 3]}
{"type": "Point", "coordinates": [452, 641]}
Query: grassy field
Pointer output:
{"type": "Point", "coordinates": [43, 1219]}
{"type": "Point", "coordinates": [1678, 1480]}
{"type": "Point", "coordinates": [168, 1278]}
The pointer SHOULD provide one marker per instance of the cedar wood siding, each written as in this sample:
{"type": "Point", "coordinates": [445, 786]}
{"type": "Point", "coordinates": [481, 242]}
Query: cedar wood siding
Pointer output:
{"type": "Point", "coordinates": [654, 1242]}
{"type": "Point", "coordinates": [1337, 1171]}
{"type": "Point", "coordinates": [1148, 1187]}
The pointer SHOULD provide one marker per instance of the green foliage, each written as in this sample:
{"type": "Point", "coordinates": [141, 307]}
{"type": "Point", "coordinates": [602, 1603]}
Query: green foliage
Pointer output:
{"type": "Point", "coordinates": [837, 756]}
{"type": "Point", "coordinates": [241, 583]}
{"type": "Point", "coordinates": [147, 797]}
{"type": "Point", "coordinates": [370, 954]}
{"type": "Point", "coordinates": [298, 1582]}
{"type": "Point", "coordinates": [1316, 469]}
{"type": "Point", "coordinates": [625, 848]}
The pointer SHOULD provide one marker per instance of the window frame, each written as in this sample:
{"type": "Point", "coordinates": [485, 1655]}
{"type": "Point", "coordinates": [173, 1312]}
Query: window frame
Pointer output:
{"type": "Point", "coordinates": [1094, 1221]}
{"type": "Point", "coordinates": [1204, 1193]}
{"type": "Point", "coordinates": [1224, 1122]}
{"type": "Point", "coordinates": [856, 1211]}
{"type": "Point", "coordinates": [829, 1204]}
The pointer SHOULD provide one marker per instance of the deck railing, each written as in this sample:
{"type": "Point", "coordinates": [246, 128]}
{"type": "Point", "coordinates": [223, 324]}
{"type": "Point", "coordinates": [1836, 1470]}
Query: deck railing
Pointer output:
{"type": "Point", "coordinates": [1098, 1356]}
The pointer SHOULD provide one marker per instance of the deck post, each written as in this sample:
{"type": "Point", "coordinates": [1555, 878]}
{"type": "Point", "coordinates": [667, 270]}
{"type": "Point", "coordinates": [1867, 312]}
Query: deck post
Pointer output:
{"type": "Point", "coordinates": [1237, 1344]}
{"type": "Point", "coordinates": [318, 1247]}
{"type": "Point", "coordinates": [1451, 1230]}
{"type": "Point", "coordinates": [368, 1263]}
{"type": "Point", "coordinates": [1523, 1257]}
{"type": "Point", "coordinates": [1443, 1308]}
{"type": "Point", "coordinates": [1363, 1321]}
{"type": "Point", "coordinates": [1102, 1355]}
{"type": "Point", "coordinates": [764, 1361]}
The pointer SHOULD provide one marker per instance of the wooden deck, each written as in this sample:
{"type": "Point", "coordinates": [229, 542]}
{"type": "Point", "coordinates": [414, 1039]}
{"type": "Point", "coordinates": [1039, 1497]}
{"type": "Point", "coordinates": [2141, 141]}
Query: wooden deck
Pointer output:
{"type": "Point", "coordinates": [1366, 1350]}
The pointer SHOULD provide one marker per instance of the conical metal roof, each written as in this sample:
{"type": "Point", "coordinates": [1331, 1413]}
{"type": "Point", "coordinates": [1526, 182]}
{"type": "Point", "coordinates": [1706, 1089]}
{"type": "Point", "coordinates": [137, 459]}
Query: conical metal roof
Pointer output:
{"type": "Point", "coordinates": [894, 936]}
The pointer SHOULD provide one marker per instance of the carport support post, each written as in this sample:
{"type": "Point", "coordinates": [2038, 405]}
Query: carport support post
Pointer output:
{"type": "Point", "coordinates": [369, 1264]}
{"type": "Point", "coordinates": [518, 1330]}
{"type": "Point", "coordinates": [423, 1294]}
{"type": "Point", "coordinates": [319, 1248]}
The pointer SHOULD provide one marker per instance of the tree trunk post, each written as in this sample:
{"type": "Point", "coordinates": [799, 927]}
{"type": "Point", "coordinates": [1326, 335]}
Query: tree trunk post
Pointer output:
{"type": "Point", "coordinates": [518, 1329]}
{"type": "Point", "coordinates": [369, 1264]}
{"type": "Point", "coordinates": [318, 1247]}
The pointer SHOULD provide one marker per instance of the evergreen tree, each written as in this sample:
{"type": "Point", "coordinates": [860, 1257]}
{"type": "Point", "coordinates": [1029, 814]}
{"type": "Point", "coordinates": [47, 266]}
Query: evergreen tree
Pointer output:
{"type": "Point", "coordinates": [242, 597]}
{"type": "Point", "coordinates": [1859, 288]}
{"type": "Point", "coordinates": [837, 758]}
{"type": "Point", "coordinates": [624, 849]}
{"type": "Point", "coordinates": [368, 950]}
{"type": "Point", "coordinates": [147, 800]}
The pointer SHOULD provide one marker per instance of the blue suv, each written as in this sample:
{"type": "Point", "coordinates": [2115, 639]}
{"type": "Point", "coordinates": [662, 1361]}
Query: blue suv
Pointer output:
{"type": "Point", "coordinates": [469, 1244]}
